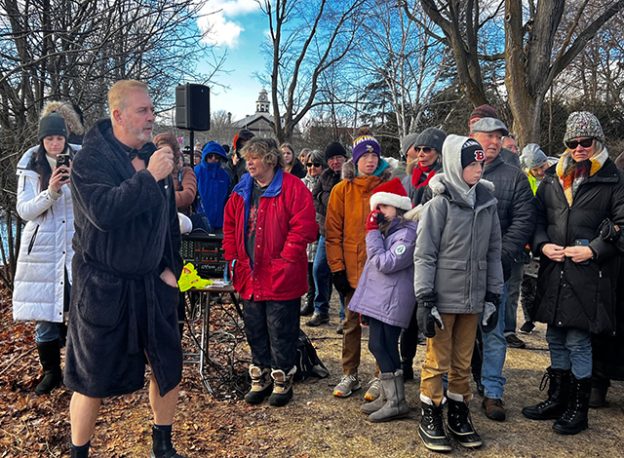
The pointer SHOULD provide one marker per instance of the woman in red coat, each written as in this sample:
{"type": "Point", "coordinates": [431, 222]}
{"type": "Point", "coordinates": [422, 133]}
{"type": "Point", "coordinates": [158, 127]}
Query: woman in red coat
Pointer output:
{"type": "Point", "coordinates": [269, 220]}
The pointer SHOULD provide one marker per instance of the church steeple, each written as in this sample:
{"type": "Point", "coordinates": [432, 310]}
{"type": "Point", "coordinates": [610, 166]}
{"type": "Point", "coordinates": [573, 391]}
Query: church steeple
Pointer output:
{"type": "Point", "coordinates": [262, 104]}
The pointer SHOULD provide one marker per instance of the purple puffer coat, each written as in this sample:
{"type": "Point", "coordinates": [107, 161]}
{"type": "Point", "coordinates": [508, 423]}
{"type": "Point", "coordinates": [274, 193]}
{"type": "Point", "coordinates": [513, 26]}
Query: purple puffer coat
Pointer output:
{"type": "Point", "coordinates": [385, 290]}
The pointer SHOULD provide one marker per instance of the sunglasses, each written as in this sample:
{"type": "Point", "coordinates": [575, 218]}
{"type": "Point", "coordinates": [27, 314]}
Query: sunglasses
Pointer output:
{"type": "Point", "coordinates": [585, 143]}
{"type": "Point", "coordinates": [424, 149]}
{"type": "Point", "coordinates": [315, 164]}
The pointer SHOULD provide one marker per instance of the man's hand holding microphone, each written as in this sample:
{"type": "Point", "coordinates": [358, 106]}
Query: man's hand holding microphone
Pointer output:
{"type": "Point", "coordinates": [161, 163]}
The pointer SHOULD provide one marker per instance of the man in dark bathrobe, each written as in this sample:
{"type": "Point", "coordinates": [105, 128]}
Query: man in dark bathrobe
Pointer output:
{"type": "Point", "coordinates": [123, 311]}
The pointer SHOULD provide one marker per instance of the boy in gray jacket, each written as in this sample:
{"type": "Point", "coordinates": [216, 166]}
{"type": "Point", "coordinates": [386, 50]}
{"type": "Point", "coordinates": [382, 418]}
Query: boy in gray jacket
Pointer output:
{"type": "Point", "coordinates": [457, 276]}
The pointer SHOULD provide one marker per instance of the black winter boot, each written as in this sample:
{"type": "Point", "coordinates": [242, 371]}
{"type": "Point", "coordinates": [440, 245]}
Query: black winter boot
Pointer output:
{"type": "Point", "coordinates": [574, 419]}
{"type": "Point", "coordinates": [161, 443]}
{"type": "Point", "coordinates": [598, 396]}
{"type": "Point", "coordinates": [79, 451]}
{"type": "Point", "coordinates": [261, 385]}
{"type": "Point", "coordinates": [282, 387]}
{"type": "Point", "coordinates": [50, 358]}
{"type": "Point", "coordinates": [460, 424]}
{"type": "Point", "coordinates": [557, 401]}
{"type": "Point", "coordinates": [431, 429]}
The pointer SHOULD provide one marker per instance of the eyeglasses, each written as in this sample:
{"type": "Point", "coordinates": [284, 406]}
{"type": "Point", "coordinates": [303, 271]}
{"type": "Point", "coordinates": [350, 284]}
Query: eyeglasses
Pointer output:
{"type": "Point", "coordinates": [585, 143]}
{"type": "Point", "coordinates": [424, 149]}
{"type": "Point", "coordinates": [315, 164]}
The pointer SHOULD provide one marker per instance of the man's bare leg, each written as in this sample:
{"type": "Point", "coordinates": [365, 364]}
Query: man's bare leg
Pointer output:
{"type": "Point", "coordinates": [83, 413]}
{"type": "Point", "coordinates": [164, 407]}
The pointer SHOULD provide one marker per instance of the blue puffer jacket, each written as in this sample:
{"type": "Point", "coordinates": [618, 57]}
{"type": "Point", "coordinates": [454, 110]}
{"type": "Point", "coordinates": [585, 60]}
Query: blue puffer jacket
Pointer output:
{"type": "Point", "coordinates": [385, 290]}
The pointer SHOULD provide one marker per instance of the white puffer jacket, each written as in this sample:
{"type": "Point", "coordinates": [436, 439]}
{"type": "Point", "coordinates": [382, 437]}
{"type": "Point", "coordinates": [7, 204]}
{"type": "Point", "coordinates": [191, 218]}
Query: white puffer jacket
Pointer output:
{"type": "Point", "coordinates": [46, 247]}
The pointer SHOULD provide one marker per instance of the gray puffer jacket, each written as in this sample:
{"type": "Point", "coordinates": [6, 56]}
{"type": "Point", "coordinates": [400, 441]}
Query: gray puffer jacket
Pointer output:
{"type": "Point", "coordinates": [458, 244]}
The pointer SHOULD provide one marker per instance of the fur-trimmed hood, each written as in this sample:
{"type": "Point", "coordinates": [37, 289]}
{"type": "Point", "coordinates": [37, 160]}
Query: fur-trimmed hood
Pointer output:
{"type": "Point", "coordinates": [69, 114]}
{"type": "Point", "coordinates": [438, 186]}
{"type": "Point", "coordinates": [383, 171]}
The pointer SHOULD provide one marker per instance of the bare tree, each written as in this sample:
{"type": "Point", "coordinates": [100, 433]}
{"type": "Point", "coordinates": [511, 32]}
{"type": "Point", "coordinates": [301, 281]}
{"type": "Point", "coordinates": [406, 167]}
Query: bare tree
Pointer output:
{"type": "Point", "coordinates": [540, 42]}
{"type": "Point", "coordinates": [532, 58]}
{"type": "Point", "coordinates": [73, 51]}
{"type": "Point", "coordinates": [410, 63]}
{"type": "Point", "coordinates": [305, 40]}
{"type": "Point", "coordinates": [461, 23]}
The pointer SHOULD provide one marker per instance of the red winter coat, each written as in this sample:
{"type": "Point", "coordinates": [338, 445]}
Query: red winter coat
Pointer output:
{"type": "Point", "coordinates": [285, 225]}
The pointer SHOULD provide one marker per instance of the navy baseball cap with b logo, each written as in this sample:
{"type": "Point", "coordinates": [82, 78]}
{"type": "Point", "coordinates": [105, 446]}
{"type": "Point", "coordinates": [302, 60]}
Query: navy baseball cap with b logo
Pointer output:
{"type": "Point", "coordinates": [471, 151]}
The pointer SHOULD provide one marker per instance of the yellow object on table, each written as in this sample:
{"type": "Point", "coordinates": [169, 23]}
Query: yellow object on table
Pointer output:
{"type": "Point", "coordinates": [191, 279]}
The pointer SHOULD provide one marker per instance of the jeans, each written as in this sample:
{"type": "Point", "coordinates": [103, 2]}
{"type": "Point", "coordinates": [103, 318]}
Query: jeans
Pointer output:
{"type": "Point", "coordinates": [47, 331]}
{"type": "Point", "coordinates": [323, 282]}
{"type": "Point", "coordinates": [511, 307]}
{"type": "Point", "coordinates": [570, 349]}
{"type": "Point", "coordinates": [383, 343]}
{"type": "Point", "coordinates": [494, 353]}
{"type": "Point", "coordinates": [272, 329]}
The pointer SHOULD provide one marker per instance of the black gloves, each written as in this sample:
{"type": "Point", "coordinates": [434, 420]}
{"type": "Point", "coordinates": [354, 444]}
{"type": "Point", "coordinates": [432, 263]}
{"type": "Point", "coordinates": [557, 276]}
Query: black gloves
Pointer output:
{"type": "Point", "coordinates": [341, 282]}
{"type": "Point", "coordinates": [609, 232]}
{"type": "Point", "coordinates": [489, 318]}
{"type": "Point", "coordinates": [493, 298]}
{"type": "Point", "coordinates": [427, 315]}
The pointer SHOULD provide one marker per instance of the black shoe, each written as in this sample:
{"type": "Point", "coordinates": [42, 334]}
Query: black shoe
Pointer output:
{"type": "Point", "coordinates": [81, 451]}
{"type": "Point", "coordinates": [555, 405]}
{"type": "Point", "coordinates": [408, 370]}
{"type": "Point", "coordinates": [161, 444]}
{"type": "Point", "coordinates": [431, 429]}
{"type": "Point", "coordinates": [514, 342]}
{"type": "Point", "coordinates": [340, 328]}
{"type": "Point", "coordinates": [598, 395]}
{"type": "Point", "coordinates": [460, 425]}
{"type": "Point", "coordinates": [494, 409]}
{"type": "Point", "coordinates": [527, 327]}
{"type": "Point", "coordinates": [307, 308]}
{"type": "Point", "coordinates": [50, 358]}
{"type": "Point", "coordinates": [574, 419]}
{"type": "Point", "coordinates": [317, 320]}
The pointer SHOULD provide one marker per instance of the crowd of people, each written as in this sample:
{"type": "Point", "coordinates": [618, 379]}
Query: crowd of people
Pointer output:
{"type": "Point", "coordinates": [430, 251]}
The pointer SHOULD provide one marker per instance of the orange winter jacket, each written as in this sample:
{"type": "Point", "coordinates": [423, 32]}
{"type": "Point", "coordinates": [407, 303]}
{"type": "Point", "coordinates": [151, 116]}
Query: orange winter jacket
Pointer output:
{"type": "Point", "coordinates": [345, 221]}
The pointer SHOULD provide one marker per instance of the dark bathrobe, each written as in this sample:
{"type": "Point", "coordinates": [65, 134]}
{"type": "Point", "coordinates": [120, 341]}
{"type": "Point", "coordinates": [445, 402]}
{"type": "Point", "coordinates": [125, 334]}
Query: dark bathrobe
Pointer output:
{"type": "Point", "coordinates": [121, 313]}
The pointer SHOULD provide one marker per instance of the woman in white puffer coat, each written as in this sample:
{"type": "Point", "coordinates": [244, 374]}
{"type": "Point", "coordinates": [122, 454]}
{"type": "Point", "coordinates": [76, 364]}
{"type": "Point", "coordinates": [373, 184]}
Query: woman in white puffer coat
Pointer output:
{"type": "Point", "coordinates": [43, 274]}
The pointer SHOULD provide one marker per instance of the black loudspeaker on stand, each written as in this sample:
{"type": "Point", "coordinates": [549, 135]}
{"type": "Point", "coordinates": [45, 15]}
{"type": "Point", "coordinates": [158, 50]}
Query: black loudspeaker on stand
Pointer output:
{"type": "Point", "coordinates": [192, 109]}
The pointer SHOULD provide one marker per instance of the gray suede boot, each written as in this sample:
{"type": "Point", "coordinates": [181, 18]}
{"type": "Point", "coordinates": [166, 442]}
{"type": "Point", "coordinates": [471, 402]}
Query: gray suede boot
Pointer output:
{"type": "Point", "coordinates": [395, 405]}
{"type": "Point", "coordinates": [373, 406]}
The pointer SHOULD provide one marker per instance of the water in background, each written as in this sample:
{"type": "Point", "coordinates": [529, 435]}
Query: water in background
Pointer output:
{"type": "Point", "coordinates": [3, 233]}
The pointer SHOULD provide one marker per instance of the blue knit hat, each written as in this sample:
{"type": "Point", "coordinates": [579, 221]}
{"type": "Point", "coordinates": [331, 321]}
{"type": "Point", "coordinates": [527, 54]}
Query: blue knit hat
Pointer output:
{"type": "Point", "coordinates": [365, 144]}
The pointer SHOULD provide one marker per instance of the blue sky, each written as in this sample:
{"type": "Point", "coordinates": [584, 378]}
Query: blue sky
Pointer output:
{"type": "Point", "coordinates": [239, 27]}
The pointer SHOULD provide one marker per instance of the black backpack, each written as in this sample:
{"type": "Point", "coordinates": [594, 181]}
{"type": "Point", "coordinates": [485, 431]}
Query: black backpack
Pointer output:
{"type": "Point", "coordinates": [308, 362]}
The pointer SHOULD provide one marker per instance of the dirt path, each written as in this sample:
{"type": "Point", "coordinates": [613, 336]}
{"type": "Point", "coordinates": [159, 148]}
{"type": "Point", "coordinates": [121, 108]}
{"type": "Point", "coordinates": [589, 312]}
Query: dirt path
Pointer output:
{"type": "Point", "coordinates": [314, 424]}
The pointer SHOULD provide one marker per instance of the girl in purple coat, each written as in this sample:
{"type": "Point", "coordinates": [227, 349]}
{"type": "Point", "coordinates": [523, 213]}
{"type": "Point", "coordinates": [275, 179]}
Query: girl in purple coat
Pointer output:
{"type": "Point", "coordinates": [384, 294]}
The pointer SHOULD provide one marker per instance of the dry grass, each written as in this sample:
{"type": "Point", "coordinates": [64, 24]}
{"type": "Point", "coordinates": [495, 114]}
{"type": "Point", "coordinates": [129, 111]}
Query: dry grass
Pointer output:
{"type": "Point", "coordinates": [314, 424]}
{"type": "Point", "coordinates": [318, 425]}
